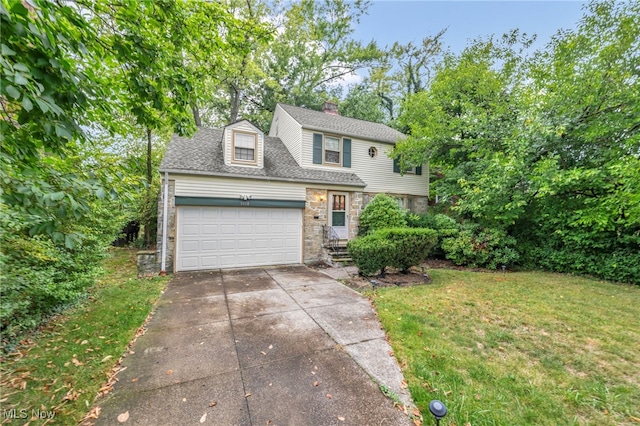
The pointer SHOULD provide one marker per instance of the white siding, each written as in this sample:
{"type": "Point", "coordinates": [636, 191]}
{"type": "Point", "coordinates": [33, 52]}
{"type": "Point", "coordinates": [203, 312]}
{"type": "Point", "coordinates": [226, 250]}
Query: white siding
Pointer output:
{"type": "Point", "coordinates": [210, 186]}
{"type": "Point", "coordinates": [288, 130]}
{"type": "Point", "coordinates": [243, 126]}
{"type": "Point", "coordinates": [376, 172]}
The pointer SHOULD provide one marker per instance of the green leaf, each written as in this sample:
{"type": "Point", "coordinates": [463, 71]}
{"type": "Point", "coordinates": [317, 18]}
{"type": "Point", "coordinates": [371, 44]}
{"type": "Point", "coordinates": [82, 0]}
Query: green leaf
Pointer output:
{"type": "Point", "coordinates": [7, 51]}
{"type": "Point", "coordinates": [21, 67]}
{"type": "Point", "coordinates": [44, 107]}
{"type": "Point", "coordinates": [57, 196]}
{"type": "Point", "coordinates": [100, 193]}
{"type": "Point", "coordinates": [68, 242]}
{"type": "Point", "coordinates": [62, 132]}
{"type": "Point", "coordinates": [58, 237]}
{"type": "Point", "coordinates": [19, 9]}
{"type": "Point", "coordinates": [12, 91]}
{"type": "Point", "coordinates": [27, 104]}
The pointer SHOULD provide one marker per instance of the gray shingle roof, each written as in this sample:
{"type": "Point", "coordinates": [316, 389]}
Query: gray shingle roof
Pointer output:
{"type": "Point", "coordinates": [202, 154]}
{"type": "Point", "coordinates": [361, 129]}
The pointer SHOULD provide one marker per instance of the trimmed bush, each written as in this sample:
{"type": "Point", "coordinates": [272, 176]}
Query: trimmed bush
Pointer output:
{"type": "Point", "coordinates": [371, 254]}
{"type": "Point", "coordinates": [475, 246]}
{"type": "Point", "coordinates": [397, 247]}
{"type": "Point", "coordinates": [381, 212]}
{"type": "Point", "coordinates": [411, 246]}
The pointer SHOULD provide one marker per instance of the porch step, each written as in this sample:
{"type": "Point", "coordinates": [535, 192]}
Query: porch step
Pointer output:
{"type": "Point", "coordinates": [341, 255]}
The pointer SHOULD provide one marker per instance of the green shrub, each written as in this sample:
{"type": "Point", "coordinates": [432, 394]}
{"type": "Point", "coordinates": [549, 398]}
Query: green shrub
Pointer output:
{"type": "Point", "coordinates": [581, 251]}
{"type": "Point", "coordinates": [411, 246]}
{"type": "Point", "coordinates": [444, 225]}
{"type": "Point", "coordinates": [381, 212]}
{"type": "Point", "coordinates": [40, 277]}
{"type": "Point", "coordinates": [371, 254]}
{"type": "Point", "coordinates": [397, 247]}
{"type": "Point", "coordinates": [476, 246]}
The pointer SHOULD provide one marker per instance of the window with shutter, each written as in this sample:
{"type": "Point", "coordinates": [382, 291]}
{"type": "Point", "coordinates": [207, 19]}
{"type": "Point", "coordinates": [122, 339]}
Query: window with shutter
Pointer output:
{"type": "Point", "coordinates": [331, 150]}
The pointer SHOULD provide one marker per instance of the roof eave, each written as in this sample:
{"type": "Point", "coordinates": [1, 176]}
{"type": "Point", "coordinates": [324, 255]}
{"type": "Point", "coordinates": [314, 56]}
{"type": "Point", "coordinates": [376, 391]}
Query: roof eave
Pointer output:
{"type": "Point", "coordinates": [353, 135]}
{"type": "Point", "coordinates": [266, 178]}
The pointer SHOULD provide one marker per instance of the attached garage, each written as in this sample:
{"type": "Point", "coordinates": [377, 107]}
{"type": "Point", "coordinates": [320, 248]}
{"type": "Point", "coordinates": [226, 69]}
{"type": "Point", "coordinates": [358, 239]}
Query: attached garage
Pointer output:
{"type": "Point", "coordinates": [211, 237]}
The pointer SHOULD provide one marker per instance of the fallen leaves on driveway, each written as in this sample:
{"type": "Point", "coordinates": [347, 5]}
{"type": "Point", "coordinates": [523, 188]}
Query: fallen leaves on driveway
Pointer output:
{"type": "Point", "coordinates": [123, 417]}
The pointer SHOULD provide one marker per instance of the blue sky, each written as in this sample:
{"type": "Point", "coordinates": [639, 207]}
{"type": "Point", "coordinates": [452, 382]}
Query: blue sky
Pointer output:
{"type": "Point", "coordinates": [403, 21]}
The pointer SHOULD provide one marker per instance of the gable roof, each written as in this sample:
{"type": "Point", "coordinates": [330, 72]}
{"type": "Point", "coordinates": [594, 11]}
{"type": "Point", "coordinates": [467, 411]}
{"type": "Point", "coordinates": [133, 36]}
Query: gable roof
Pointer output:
{"type": "Point", "coordinates": [202, 154]}
{"type": "Point", "coordinates": [361, 129]}
{"type": "Point", "coordinates": [244, 121]}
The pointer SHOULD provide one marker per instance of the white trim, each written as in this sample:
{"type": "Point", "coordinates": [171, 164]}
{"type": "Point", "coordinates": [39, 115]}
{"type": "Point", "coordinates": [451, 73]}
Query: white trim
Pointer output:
{"type": "Point", "coordinates": [163, 268]}
{"type": "Point", "coordinates": [233, 148]}
{"type": "Point", "coordinates": [346, 211]}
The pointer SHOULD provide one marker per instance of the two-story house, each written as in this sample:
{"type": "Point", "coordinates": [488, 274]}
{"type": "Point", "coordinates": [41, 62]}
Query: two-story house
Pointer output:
{"type": "Point", "coordinates": [235, 197]}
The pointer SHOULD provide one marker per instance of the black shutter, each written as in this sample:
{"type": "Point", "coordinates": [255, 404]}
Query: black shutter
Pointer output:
{"type": "Point", "coordinates": [317, 148]}
{"type": "Point", "coordinates": [396, 165]}
{"type": "Point", "coordinates": [419, 170]}
{"type": "Point", "coordinates": [346, 152]}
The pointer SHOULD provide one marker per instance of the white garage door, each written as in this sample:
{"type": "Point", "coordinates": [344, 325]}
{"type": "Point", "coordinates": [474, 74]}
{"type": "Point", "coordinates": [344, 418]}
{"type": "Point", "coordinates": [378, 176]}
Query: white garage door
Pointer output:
{"type": "Point", "coordinates": [231, 237]}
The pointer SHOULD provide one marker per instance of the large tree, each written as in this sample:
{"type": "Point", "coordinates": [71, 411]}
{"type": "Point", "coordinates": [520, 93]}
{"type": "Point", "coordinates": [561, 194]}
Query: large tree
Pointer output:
{"type": "Point", "coordinates": [548, 147]}
{"type": "Point", "coordinates": [70, 70]}
{"type": "Point", "coordinates": [164, 58]}
{"type": "Point", "coordinates": [311, 52]}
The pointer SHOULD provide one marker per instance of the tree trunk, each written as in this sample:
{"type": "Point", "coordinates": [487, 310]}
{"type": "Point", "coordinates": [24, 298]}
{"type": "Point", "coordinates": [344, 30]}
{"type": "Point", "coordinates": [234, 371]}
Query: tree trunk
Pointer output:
{"type": "Point", "coordinates": [148, 225]}
{"type": "Point", "coordinates": [149, 169]}
{"type": "Point", "coordinates": [234, 95]}
{"type": "Point", "coordinates": [196, 114]}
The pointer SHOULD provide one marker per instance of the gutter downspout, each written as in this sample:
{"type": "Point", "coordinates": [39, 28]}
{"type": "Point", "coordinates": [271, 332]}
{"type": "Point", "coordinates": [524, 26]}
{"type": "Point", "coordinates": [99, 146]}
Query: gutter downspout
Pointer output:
{"type": "Point", "coordinates": [163, 268]}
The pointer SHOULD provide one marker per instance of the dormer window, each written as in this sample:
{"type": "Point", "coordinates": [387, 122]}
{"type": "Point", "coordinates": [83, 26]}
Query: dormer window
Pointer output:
{"type": "Point", "coordinates": [244, 147]}
{"type": "Point", "coordinates": [331, 150]}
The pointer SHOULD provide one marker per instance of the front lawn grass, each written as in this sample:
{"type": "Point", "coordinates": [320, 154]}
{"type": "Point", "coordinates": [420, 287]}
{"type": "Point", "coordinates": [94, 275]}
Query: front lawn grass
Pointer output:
{"type": "Point", "coordinates": [62, 366]}
{"type": "Point", "coordinates": [518, 348]}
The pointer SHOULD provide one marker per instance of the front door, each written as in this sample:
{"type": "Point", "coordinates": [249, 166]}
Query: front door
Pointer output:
{"type": "Point", "coordinates": [338, 218]}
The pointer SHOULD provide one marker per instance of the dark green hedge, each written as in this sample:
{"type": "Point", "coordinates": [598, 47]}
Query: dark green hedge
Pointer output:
{"type": "Point", "coordinates": [400, 248]}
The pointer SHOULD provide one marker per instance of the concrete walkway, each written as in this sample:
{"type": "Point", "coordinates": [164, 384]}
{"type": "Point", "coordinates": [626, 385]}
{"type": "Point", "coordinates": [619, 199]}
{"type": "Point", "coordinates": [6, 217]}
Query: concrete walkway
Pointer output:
{"type": "Point", "coordinates": [275, 346]}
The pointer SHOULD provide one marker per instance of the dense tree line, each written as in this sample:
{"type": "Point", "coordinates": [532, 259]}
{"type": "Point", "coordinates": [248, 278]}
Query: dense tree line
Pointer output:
{"type": "Point", "coordinates": [82, 83]}
{"type": "Point", "coordinates": [544, 146]}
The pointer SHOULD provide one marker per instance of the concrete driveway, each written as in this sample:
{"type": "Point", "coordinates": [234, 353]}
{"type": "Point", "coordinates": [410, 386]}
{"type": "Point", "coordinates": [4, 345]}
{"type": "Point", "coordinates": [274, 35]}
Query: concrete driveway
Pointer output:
{"type": "Point", "coordinates": [268, 346]}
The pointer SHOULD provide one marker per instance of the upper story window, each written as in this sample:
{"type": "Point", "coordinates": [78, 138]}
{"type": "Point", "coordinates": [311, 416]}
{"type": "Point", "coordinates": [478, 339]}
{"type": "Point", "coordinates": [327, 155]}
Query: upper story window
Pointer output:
{"type": "Point", "coordinates": [331, 150]}
{"type": "Point", "coordinates": [410, 171]}
{"type": "Point", "coordinates": [244, 147]}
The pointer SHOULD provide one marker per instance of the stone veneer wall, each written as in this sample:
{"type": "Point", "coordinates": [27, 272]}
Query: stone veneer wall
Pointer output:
{"type": "Point", "coordinates": [312, 227]}
{"type": "Point", "coordinates": [171, 227]}
{"type": "Point", "coordinates": [313, 238]}
{"type": "Point", "coordinates": [355, 208]}
{"type": "Point", "coordinates": [147, 264]}
{"type": "Point", "coordinates": [420, 204]}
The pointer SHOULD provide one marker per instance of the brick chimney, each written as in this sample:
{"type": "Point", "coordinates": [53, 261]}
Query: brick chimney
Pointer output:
{"type": "Point", "coordinates": [330, 108]}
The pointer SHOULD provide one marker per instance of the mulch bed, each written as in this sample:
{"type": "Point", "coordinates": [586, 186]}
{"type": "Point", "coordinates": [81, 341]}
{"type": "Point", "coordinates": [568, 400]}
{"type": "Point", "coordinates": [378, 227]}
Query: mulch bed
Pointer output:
{"type": "Point", "coordinates": [416, 276]}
